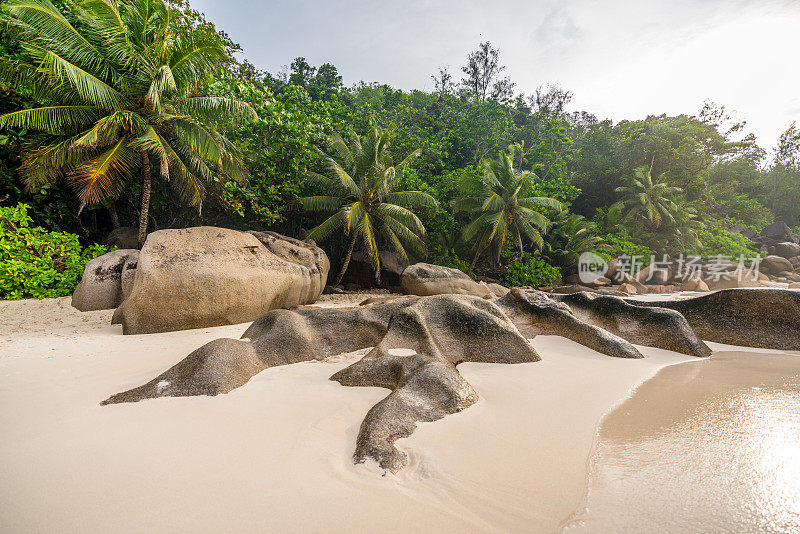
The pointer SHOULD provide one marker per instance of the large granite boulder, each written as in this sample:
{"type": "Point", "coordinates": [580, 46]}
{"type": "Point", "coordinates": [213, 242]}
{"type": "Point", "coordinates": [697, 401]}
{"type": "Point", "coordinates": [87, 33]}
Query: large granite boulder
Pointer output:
{"type": "Point", "coordinates": [425, 279]}
{"type": "Point", "coordinates": [100, 287]}
{"type": "Point", "coordinates": [418, 342]}
{"type": "Point", "coordinates": [767, 318]}
{"type": "Point", "coordinates": [207, 276]}
{"type": "Point", "coordinates": [778, 232]}
{"type": "Point", "coordinates": [786, 250]}
{"type": "Point", "coordinates": [776, 265]}
{"type": "Point", "coordinates": [306, 253]}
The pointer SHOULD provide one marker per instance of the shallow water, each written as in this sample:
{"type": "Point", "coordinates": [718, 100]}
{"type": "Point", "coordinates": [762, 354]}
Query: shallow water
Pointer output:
{"type": "Point", "coordinates": [707, 446]}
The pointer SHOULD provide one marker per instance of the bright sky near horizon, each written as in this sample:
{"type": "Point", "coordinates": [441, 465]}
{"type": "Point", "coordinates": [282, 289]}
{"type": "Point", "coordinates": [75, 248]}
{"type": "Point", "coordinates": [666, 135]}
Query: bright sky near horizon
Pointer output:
{"type": "Point", "coordinates": [622, 59]}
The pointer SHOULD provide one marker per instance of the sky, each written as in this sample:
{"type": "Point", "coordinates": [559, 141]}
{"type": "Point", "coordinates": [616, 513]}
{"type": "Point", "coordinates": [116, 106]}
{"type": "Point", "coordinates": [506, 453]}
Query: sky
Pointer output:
{"type": "Point", "coordinates": [621, 59]}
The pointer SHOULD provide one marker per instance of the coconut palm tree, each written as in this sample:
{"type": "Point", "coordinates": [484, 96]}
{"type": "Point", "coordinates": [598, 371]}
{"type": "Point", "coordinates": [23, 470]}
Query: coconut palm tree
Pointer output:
{"type": "Point", "coordinates": [120, 88]}
{"type": "Point", "coordinates": [647, 200]}
{"type": "Point", "coordinates": [681, 234]}
{"type": "Point", "coordinates": [495, 199]}
{"type": "Point", "coordinates": [360, 188]}
{"type": "Point", "coordinates": [571, 236]}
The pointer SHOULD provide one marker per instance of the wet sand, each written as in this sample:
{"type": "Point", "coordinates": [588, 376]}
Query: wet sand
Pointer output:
{"type": "Point", "coordinates": [704, 446]}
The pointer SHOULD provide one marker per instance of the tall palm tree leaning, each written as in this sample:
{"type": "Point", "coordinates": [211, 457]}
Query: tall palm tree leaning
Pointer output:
{"type": "Point", "coordinates": [360, 188]}
{"type": "Point", "coordinates": [121, 92]}
{"type": "Point", "coordinates": [500, 211]}
{"type": "Point", "coordinates": [648, 200]}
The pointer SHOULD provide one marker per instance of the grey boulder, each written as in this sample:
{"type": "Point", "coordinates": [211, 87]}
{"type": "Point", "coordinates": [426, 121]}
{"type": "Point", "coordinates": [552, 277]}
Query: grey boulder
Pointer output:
{"type": "Point", "coordinates": [425, 279]}
{"type": "Point", "coordinates": [100, 287]}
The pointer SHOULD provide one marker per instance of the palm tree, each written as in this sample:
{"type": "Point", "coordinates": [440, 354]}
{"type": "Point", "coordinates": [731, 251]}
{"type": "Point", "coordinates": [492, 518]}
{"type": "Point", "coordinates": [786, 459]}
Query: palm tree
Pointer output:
{"type": "Point", "coordinates": [120, 87]}
{"type": "Point", "coordinates": [360, 188]}
{"type": "Point", "coordinates": [500, 211]}
{"type": "Point", "coordinates": [647, 200]}
{"type": "Point", "coordinates": [571, 236]}
{"type": "Point", "coordinates": [682, 233]}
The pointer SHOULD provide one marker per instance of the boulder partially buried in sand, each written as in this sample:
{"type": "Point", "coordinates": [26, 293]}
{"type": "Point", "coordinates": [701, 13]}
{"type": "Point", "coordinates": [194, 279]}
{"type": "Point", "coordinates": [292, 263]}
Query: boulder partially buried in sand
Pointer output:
{"type": "Point", "coordinates": [766, 318]}
{"type": "Point", "coordinates": [642, 325]}
{"type": "Point", "coordinates": [419, 341]}
{"type": "Point", "coordinates": [101, 285]}
{"type": "Point", "coordinates": [207, 276]}
{"type": "Point", "coordinates": [417, 360]}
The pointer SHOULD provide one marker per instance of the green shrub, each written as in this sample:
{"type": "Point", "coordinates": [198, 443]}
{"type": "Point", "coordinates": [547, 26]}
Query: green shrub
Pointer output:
{"type": "Point", "coordinates": [531, 270]}
{"type": "Point", "coordinates": [448, 260]}
{"type": "Point", "coordinates": [37, 263]}
{"type": "Point", "coordinates": [622, 243]}
{"type": "Point", "coordinates": [720, 242]}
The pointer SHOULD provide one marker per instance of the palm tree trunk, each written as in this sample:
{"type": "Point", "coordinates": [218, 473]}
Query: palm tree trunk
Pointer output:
{"type": "Point", "coordinates": [145, 199]}
{"type": "Point", "coordinates": [474, 260]}
{"type": "Point", "coordinates": [112, 213]}
{"type": "Point", "coordinates": [346, 260]}
{"type": "Point", "coordinates": [496, 251]}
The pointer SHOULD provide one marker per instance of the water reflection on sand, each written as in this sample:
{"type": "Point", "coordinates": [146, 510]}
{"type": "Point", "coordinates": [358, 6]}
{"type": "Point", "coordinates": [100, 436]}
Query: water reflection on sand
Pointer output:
{"type": "Point", "coordinates": [707, 446]}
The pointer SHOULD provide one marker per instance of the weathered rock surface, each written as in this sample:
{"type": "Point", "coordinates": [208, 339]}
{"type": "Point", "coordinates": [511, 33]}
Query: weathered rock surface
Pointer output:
{"type": "Point", "coordinates": [497, 289]}
{"type": "Point", "coordinates": [417, 360]}
{"type": "Point", "coordinates": [128, 275]}
{"type": "Point", "coordinates": [305, 253]}
{"type": "Point", "coordinates": [100, 287]}
{"type": "Point", "coordinates": [768, 318]}
{"type": "Point", "coordinates": [731, 281]}
{"type": "Point", "coordinates": [419, 341]}
{"type": "Point", "coordinates": [775, 264]}
{"type": "Point", "coordinates": [655, 275]}
{"type": "Point", "coordinates": [641, 325]}
{"type": "Point", "coordinates": [207, 276]}
{"type": "Point", "coordinates": [535, 313]}
{"type": "Point", "coordinates": [694, 284]}
{"type": "Point", "coordinates": [786, 250]}
{"type": "Point", "coordinates": [425, 279]}
{"type": "Point", "coordinates": [778, 232]}
{"type": "Point", "coordinates": [279, 337]}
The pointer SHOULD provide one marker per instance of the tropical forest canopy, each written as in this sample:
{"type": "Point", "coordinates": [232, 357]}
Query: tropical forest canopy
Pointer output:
{"type": "Point", "coordinates": [136, 113]}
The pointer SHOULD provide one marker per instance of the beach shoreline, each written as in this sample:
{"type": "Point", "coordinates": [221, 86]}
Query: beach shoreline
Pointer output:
{"type": "Point", "coordinates": [519, 457]}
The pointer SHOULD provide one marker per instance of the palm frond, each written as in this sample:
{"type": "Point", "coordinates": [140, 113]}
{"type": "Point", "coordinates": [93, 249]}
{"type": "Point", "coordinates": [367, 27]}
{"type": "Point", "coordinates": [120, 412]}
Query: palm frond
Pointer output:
{"type": "Point", "coordinates": [90, 88]}
{"type": "Point", "coordinates": [330, 225]}
{"type": "Point", "coordinates": [541, 202]}
{"type": "Point", "coordinates": [402, 215]}
{"type": "Point", "coordinates": [321, 203]}
{"type": "Point", "coordinates": [404, 234]}
{"type": "Point", "coordinates": [107, 130]}
{"type": "Point", "coordinates": [54, 31]}
{"type": "Point", "coordinates": [411, 199]}
{"type": "Point", "coordinates": [104, 176]}
{"type": "Point", "coordinates": [215, 110]}
{"type": "Point", "coordinates": [163, 83]}
{"type": "Point", "coordinates": [51, 119]}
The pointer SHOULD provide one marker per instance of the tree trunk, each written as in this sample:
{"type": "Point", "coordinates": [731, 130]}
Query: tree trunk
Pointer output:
{"type": "Point", "coordinates": [145, 199]}
{"type": "Point", "coordinates": [474, 260]}
{"type": "Point", "coordinates": [496, 251]}
{"type": "Point", "coordinates": [346, 259]}
{"type": "Point", "coordinates": [112, 213]}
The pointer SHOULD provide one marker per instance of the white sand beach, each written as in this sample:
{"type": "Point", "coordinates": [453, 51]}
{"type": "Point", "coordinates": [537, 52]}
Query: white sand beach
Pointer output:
{"type": "Point", "coordinates": [275, 455]}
